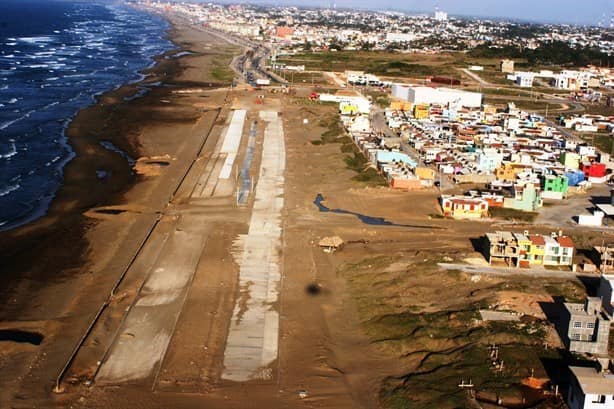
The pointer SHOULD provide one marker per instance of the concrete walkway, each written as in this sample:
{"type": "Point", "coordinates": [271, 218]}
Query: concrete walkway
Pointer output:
{"type": "Point", "coordinates": [252, 341]}
{"type": "Point", "coordinates": [333, 76]}
{"type": "Point", "coordinates": [475, 77]}
{"type": "Point", "coordinates": [503, 271]}
{"type": "Point", "coordinates": [143, 337]}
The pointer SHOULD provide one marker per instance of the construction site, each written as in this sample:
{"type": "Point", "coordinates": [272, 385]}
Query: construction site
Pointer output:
{"type": "Point", "coordinates": [260, 261]}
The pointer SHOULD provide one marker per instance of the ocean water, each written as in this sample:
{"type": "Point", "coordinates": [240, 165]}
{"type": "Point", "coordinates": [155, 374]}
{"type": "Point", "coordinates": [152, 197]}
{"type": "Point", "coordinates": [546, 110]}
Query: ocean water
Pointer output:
{"type": "Point", "coordinates": [55, 57]}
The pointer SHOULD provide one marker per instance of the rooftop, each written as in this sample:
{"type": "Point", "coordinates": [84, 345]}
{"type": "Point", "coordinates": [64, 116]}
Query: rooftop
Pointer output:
{"type": "Point", "coordinates": [592, 381]}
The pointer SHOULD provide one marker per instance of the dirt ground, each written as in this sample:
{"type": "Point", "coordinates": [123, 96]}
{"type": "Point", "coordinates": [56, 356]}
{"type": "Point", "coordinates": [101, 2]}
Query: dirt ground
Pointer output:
{"type": "Point", "coordinates": [376, 324]}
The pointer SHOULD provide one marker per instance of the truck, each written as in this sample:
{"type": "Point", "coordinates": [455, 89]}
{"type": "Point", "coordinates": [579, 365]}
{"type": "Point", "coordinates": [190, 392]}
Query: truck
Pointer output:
{"type": "Point", "coordinates": [263, 82]}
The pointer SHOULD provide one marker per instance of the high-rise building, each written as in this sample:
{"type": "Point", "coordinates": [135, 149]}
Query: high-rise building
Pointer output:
{"type": "Point", "coordinates": [440, 15]}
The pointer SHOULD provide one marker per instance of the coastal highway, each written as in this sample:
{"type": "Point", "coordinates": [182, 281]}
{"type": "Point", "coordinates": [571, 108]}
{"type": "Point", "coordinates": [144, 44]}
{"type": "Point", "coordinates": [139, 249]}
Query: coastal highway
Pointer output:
{"type": "Point", "coordinates": [253, 60]}
{"type": "Point", "coordinates": [248, 66]}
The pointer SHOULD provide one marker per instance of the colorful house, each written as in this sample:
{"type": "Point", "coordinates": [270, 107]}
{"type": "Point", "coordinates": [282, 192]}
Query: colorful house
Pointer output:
{"type": "Point", "coordinates": [526, 250]}
{"type": "Point", "coordinates": [594, 172]}
{"type": "Point", "coordinates": [571, 160]}
{"type": "Point", "coordinates": [425, 173]}
{"type": "Point", "coordinates": [464, 208]}
{"type": "Point", "coordinates": [554, 187]}
{"type": "Point", "coordinates": [347, 108]}
{"type": "Point", "coordinates": [526, 198]}
{"type": "Point", "coordinates": [421, 111]}
{"type": "Point", "coordinates": [559, 251]}
{"type": "Point", "coordinates": [537, 250]}
{"type": "Point", "coordinates": [574, 177]}
{"type": "Point", "coordinates": [489, 160]}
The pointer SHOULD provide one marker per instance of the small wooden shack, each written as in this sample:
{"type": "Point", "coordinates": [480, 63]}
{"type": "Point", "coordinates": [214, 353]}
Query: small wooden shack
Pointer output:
{"type": "Point", "coordinates": [331, 244]}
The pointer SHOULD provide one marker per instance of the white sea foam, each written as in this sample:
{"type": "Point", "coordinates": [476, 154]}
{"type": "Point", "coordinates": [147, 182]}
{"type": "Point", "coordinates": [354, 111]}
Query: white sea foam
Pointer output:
{"type": "Point", "coordinates": [35, 40]}
{"type": "Point", "coordinates": [6, 190]}
{"type": "Point", "coordinates": [12, 152]}
{"type": "Point", "coordinates": [6, 124]}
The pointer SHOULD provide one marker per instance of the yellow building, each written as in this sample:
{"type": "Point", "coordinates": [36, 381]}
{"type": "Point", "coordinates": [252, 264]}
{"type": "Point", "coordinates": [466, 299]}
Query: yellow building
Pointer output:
{"type": "Point", "coordinates": [421, 111]}
{"type": "Point", "coordinates": [509, 171]}
{"type": "Point", "coordinates": [401, 106]}
{"type": "Point", "coordinates": [570, 160]}
{"type": "Point", "coordinates": [425, 173]}
{"type": "Point", "coordinates": [464, 208]}
{"type": "Point", "coordinates": [537, 250]}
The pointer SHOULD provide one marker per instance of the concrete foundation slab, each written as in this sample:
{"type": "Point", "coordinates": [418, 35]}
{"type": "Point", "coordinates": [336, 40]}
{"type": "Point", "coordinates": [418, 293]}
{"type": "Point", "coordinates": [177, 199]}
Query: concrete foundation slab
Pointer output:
{"type": "Point", "coordinates": [252, 344]}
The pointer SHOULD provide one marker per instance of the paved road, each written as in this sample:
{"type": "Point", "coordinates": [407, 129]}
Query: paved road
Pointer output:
{"type": "Point", "coordinates": [503, 271]}
{"type": "Point", "coordinates": [475, 77]}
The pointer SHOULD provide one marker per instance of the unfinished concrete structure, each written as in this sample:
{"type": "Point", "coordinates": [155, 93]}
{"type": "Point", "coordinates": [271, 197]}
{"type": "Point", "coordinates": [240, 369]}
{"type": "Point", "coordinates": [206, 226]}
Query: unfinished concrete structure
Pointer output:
{"type": "Point", "coordinates": [604, 258]}
{"type": "Point", "coordinates": [502, 247]}
{"type": "Point", "coordinates": [585, 328]}
{"type": "Point", "coordinates": [252, 343]}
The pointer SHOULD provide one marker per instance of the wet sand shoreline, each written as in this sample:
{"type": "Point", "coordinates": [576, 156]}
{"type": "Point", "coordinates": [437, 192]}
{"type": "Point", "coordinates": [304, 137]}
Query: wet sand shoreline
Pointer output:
{"type": "Point", "coordinates": [55, 242]}
{"type": "Point", "coordinates": [58, 270]}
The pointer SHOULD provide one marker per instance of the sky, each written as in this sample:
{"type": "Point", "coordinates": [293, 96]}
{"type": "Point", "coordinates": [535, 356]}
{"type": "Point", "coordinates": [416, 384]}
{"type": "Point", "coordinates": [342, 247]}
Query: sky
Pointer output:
{"type": "Point", "coordinates": [561, 11]}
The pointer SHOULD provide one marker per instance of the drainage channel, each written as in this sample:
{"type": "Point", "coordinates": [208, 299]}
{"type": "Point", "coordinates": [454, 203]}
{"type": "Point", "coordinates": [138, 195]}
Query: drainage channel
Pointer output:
{"type": "Point", "coordinates": [246, 179]}
{"type": "Point", "coordinates": [370, 220]}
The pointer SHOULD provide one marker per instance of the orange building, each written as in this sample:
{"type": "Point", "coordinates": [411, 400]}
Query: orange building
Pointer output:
{"type": "Point", "coordinates": [284, 32]}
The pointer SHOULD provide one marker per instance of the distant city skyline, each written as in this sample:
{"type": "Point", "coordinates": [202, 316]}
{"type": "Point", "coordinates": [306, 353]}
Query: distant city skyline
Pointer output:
{"type": "Point", "coordinates": [586, 12]}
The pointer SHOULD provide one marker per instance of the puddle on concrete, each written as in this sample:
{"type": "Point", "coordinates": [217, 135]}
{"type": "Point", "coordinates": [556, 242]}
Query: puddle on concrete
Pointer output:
{"type": "Point", "coordinates": [246, 179]}
{"type": "Point", "coordinates": [23, 337]}
{"type": "Point", "coordinates": [370, 220]}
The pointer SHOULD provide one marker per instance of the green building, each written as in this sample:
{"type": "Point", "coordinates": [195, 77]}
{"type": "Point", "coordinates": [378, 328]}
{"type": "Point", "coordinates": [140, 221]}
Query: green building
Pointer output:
{"type": "Point", "coordinates": [554, 187]}
{"type": "Point", "coordinates": [526, 198]}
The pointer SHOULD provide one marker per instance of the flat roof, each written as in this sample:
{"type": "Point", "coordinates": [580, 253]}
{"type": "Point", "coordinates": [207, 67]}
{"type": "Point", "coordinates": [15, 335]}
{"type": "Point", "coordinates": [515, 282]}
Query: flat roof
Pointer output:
{"type": "Point", "coordinates": [608, 209]}
{"type": "Point", "coordinates": [592, 381]}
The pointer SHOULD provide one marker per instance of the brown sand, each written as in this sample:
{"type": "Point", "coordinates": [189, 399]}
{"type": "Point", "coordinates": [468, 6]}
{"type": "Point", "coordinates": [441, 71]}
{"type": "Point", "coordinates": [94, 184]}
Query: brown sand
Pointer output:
{"type": "Point", "coordinates": [94, 230]}
{"type": "Point", "coordinates": [57, 271]}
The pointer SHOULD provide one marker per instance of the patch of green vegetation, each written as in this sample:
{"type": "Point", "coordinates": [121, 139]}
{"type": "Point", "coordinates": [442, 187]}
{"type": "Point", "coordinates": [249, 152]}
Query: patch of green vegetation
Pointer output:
{"type": "Point", "coordinates": [379, 62]}
{"type": "Point", "coordinates": [439, 347]}
{"type": "Point", "coordinates": [603, 142]}
{"type": "Point", "coordinates": [380, 98]}
{"type": "Point", "coordinates": [314, 78]}
{"type": "Point", "coordinates": [501, 91]}
{"type": "Point", "coordinates": [596, 109]}
{"type": "Point", "coordinates": [571, 291]}
{"type": "Point", "coordinates": [552, 53]}
{"type": "Point", "coordinates": [220, 68]}
{"type": "Point", "coordinates": [357, 161]}
{"type": "Point", "coordinates": [331, 135]}
{"type": "Point", "coordinates": [347, 147]}
{"type": "Point", "coordinates": [512, 214]}
{"type": "Point", "coordinates": [371, 177]}
{"type": "Point", "coordinates": [354, 159]}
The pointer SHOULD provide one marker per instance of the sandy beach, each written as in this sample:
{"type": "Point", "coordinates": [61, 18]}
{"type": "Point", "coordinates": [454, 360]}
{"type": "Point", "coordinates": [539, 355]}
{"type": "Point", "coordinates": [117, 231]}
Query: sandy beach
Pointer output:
{"type": "Point", "coordinates": [193, 276]}
{"type": "Point", "coordinates": [58, 270]}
